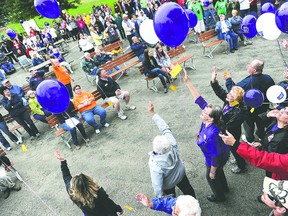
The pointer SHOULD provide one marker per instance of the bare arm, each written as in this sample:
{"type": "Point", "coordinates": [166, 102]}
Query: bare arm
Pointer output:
{"type": "Point", "coordinates": [192, 89]}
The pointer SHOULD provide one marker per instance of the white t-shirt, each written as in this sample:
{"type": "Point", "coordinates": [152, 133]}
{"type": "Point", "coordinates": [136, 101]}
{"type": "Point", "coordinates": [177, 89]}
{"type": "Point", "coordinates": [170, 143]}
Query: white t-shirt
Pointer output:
{"type": "Point", "coordinates": [244, 5]}
{"type": "Point", "coordinates": [85, 45]}
{"type": "Point", "coordinates": [224, 27]}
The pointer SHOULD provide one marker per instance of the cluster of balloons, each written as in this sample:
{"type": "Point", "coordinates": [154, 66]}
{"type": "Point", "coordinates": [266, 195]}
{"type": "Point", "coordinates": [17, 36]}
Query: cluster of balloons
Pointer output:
{"type": "Point", "coordinates": [269, 25]}
{"type": "Point", "coordinates": [53, 96]}
{"type": "Point", "coordinates": [255, 98]}
{"type": "Point", "coordinates": [170, 25]}
{"type": "Point", "coordinates": [47, 8]}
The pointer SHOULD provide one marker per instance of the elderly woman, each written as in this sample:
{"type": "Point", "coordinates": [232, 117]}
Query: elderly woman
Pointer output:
{"type": "Point", "coordinates": [152, 69]}
{"type": "Point", "coordinates": [85, 192]}
{"type": "Point", "coordinates": [37, 111]}
{"type": "Point", "coordinates": [234, 113]}
{"type": "Point", "coordinates": [216, 153]}
{"type": "Point", "coordinates": [163, 59]}
{"type": "Point", "coordinates": [166, 168]}
{"type": "Point", "coordinates": [85, 45]}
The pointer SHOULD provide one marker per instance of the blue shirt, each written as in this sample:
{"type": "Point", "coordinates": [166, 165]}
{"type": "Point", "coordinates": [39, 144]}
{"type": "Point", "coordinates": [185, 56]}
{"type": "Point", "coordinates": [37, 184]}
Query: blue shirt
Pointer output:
{"type": "Point", "coordinates": [164, 204]}
{"type": "Point", "coordinates": [216, 153]}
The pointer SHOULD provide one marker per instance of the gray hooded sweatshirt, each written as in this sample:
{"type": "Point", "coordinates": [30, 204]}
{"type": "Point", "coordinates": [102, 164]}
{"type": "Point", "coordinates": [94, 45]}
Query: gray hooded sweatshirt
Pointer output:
{"type": "Point", "coordinates": [166, 170]}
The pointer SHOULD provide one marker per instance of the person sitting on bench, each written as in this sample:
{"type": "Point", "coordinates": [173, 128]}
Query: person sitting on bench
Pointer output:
{"type": "Point", "coordinates": [138, 48]}
{"type": "Point", "coordinates": [224, 30]}
{"type": "Point", "coordinates": [111, 93]}
{"type": "Point", "coordinates": [89, 65]}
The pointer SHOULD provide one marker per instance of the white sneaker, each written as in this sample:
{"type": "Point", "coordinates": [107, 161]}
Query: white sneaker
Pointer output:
{"type": "Point", "coordinates": [9, 148]}
{"type": "Point", "coordinates": [106, 125]}
{"type": "Point", "coordinates": [122, 116]}
{"type": "Point", "coordinates": [97, 131]}
{"type": "Point", "coordinates": [19, 140]}
{"type": "Point", "coordinates": [130, 107]}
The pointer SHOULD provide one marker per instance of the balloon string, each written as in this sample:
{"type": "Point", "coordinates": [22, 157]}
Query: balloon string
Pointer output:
{"type": "Point", "coordinates": [11, 170]}
{"type": "Point", "coordinates": [282, 54]}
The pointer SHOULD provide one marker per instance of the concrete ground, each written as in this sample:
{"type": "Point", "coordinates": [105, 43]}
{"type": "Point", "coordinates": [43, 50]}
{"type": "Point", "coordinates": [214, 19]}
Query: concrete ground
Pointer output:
{"type": "Point", "coordinates": [118, 157]}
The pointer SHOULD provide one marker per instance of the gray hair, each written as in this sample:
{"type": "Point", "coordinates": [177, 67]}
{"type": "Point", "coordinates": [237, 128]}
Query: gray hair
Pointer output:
{"type": "Point", "coordinates": [188, 206]}
{"type": "Point", "coordinates": [161, 144]}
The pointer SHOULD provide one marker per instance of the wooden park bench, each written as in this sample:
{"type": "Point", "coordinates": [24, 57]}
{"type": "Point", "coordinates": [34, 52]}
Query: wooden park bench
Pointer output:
{"type": "Point", "coordinates": [180, 50]}
{"type": "Point", "coordinates": [54, 122]}
{"type": "Point", "coordinates": [212, 45]}
{"type": "Point", "coordinates": [108, 48]}
{"type": "Point", "coordinates": [121, 60]}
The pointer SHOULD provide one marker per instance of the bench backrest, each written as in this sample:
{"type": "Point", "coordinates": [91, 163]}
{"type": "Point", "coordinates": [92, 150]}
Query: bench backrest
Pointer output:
{"type": "Point", "coordinates": [207, 35]}
{"type": "Point", "coordinates": [96, 94]}
{"type": "Point", "coordinates": [110, 47]}
{"type": "Point", "coordinates": [119, 61]}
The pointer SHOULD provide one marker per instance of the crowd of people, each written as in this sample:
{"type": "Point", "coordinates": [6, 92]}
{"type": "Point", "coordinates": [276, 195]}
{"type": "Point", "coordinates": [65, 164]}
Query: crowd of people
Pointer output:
{"type": "Point", "coordinates": [220, 130]}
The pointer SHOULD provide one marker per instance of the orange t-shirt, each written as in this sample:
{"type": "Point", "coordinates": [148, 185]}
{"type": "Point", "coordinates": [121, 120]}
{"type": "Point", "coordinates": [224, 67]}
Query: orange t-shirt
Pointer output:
{"type": "Point", "coordinates": [84, 96]}
{"type": "Point", "coordinates": [62, 75]}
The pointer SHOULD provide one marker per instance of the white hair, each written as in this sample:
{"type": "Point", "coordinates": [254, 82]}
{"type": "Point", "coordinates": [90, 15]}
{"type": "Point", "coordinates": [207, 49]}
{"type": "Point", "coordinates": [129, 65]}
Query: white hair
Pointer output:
{"type": "Point", "coordinates": [161, 144]}
{"type": "Point", "coordinates": [188, 206]}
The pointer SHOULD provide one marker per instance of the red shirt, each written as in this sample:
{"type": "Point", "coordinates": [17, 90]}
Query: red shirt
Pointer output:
{"type": "Point", "coordinates": [272, 162]}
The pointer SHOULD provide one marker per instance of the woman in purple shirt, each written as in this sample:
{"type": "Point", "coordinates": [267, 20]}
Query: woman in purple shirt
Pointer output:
{"type": "Point", "coordinates": [215, 151]}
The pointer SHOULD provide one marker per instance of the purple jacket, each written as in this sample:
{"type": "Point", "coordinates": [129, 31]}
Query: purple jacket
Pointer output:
{"type": "Point", "coordinates": [164, 204]}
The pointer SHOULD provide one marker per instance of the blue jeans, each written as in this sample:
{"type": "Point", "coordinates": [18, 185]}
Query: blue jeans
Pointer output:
{"type": "Point", "coordinates": [7, 66]}
{"type": "Point", "coordinates": [141, 57]}
{"type": "Point", "coordinates": [157, 72]}
{"type": "Point", "coordinates": [232, 39]}
{"type": "Point", "coordinates": [207, 13]}
{"type": "Point", "coordinates": [117, 68]}
{"type": "Point", "coordinates": [94, 72]}
{"type": "Point", "coordinates": [4, 128]}
{"type": "Point", "coordinates": [42, 118]}
{"type": "Point", "coordinates": [88, 116]}
{"type": "Point", "coordinates": [73, 132]}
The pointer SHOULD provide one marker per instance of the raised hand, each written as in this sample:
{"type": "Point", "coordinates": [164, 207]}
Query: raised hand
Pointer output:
{"type": "Point", "coordinates": [214, 75]}
{"type": "Point", "coordinates": [151, 108]}
{"type": "Point", "coordinates": [143, 199]}
{"type": "Point", "coordinates": [59, 156]}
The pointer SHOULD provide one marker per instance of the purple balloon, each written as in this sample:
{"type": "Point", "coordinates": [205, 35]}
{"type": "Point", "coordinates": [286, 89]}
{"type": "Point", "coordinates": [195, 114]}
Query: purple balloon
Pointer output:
{"type": "Point", "coordinates": [206, 3]}
{"type": "Point", "coordinates": [171, 24]}
{"type": "Point", "coordinates": [21, 21]}
{"type": "Point", "coordinates": [47, 8]}
{"type": "Point", "coordinates": [281, 18]}
{"type": "Point", "coordinates": [254, 98]}
{"type": "Point", "coordinates": [53, 96]}
{"type": "Point", "coordinates": [268, 8]}
{"type": "Point", "coordinates": [11, 33]}
{"type": "Point", "coordinates": [248, 26]}
{"type": "Point", "coordinates": [192, 18]}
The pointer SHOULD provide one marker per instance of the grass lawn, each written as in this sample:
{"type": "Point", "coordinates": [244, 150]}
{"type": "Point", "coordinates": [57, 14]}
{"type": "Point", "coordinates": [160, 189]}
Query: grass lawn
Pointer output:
{"type": "Point", "coordinates": [84, 7]}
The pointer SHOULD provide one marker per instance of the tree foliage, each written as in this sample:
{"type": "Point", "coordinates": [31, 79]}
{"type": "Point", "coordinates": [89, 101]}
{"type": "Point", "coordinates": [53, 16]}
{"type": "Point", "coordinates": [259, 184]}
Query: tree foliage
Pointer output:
{"type": "Point", "coordinates": [17, 10]}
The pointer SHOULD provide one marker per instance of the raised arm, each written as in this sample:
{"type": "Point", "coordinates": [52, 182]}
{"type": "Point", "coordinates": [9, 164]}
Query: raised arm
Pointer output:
{"type": "Point", "coordinates": [192, 89]}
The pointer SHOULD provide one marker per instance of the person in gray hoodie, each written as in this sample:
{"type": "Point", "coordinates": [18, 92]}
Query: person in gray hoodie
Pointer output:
{"type": "Point", "coordinates": [166, 168]}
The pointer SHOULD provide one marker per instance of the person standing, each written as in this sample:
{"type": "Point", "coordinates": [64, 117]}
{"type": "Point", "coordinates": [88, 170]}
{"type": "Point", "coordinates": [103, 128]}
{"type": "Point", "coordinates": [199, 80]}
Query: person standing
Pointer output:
{"type": "Point", "coordinates": [85, 192]}
{"type": "Point", "coordinates": [216, 153]}
{"type": "Point", "coordinates": [258, 80]}
{"type": "Point", "coordinates": [166, 168]}
{"type": "Point", "coordinates": [129, 28]}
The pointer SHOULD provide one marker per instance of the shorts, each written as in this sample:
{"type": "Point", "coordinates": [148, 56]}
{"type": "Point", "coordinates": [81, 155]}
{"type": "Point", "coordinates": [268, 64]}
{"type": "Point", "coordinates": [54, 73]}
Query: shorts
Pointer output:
{"type": "Point", "coordinates": [115, 98]}
{"type": "Point", "coordinates": [200, 27]}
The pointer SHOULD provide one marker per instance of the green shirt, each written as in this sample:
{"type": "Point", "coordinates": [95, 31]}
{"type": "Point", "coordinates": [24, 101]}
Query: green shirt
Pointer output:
{"type": "Point", "coordinates": [221, 7]}
{"type": "Point", "coordinates": [197, 9]}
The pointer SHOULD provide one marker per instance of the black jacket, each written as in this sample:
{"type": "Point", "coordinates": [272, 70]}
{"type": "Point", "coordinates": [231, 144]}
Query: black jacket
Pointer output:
{"type": "Point", "coordinates": [150, 64]}
{"type": "Point", "coordinates": [69, 113]}
{"type": "Point", "coordinates": [104, 206]}
{"type": "Point", "coordinates": [107, 87]}
{"type": "Point", "coordinates": [14, 106]}
{"type": "Point", "coordinates": [102, 59]}
{"type": "Point", "coordinates": [275, 141]}
{"type": "Point", "coordinates": [235, 116]}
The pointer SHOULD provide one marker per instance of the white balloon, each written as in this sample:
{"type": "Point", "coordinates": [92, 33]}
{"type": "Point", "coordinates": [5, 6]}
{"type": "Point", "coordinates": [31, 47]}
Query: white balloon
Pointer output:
{"type": "Point", "coordinates": [276, 94]}
{"type": "Point", "coordinates": [266, 26]}
{"type": "Point", "coordinates": [147, 32]}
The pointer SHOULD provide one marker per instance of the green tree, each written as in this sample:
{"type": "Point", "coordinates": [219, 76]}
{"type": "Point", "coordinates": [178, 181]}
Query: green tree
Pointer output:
{"type": "Point", "coordinates": [24, 9]}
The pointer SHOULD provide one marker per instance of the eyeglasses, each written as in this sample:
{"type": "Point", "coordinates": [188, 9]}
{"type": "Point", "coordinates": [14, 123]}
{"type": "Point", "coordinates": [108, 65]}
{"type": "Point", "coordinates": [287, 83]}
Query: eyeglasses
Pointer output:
{"type": "Point", "coordinates": [77, 88]}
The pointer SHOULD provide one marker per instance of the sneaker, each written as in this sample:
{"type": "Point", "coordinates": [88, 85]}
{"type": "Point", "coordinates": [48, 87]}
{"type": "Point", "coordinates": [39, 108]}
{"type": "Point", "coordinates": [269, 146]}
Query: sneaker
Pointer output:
{"type": "Point", "coordinates": [130, 107]}
{"type": "Point", "coordinates": [245, 43]}
{"type": "Point", "coordinates": [106, 125]}
{"type": "Point", "coordinates": [9, 148]}
{"type": "Point", "coordinates": [6, 193]}
{"type": "Point", "coordinates": [19, 140]}
{"type": "Point", "coordinates": [249, 42]}
{"type": "Point", "coordinates": [122, 116]}
{"type": "Point", "coordinates": [17, 187]}
{"type": "Point", "coordinates": [165, 90]}
{"type": "Point", "coordinates": [37, 135]}
{"type": "Point", "coordinates": [77, 147]}
{"type": "Point", "coordinates": [237, 170]}
{"type": "Point", "coordinates": [32, 137]}
{"type": "Point", "coordinates": [87, 140]}
{"type": "Point", "coordinates": [124, 73]}
{"type": "Point", "coordinates": [97, 131]}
